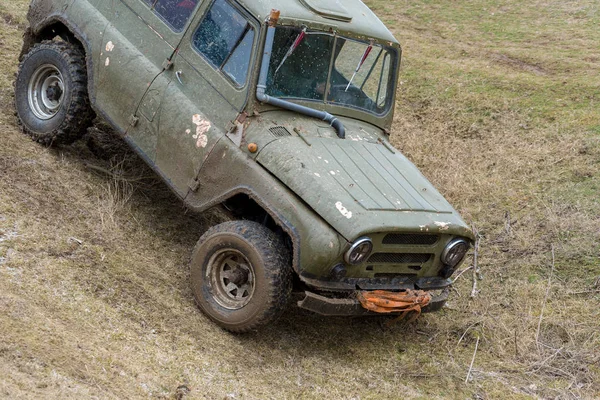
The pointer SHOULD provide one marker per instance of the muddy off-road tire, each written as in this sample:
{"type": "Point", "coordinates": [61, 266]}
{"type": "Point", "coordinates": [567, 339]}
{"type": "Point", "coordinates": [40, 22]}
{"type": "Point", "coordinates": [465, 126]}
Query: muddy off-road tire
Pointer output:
{"type": "Point", "coordinates": [51, 96]}
{"type": "Point", "coordinates": [241, 275]}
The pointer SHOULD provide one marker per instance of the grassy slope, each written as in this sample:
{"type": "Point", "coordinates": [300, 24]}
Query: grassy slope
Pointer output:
{"type": "Point", "coordinates": [498, 107]}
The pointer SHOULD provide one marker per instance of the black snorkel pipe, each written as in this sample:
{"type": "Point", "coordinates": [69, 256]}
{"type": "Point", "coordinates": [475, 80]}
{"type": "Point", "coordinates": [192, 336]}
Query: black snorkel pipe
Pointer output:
{"type": "Point", "coordinates": [262, 85]}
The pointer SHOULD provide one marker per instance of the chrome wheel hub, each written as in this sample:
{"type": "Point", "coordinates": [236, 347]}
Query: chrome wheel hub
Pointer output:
{"type": "Point", "coordinates": [231, 278]}
{"type": "Point", "coordinates": [46, 91]}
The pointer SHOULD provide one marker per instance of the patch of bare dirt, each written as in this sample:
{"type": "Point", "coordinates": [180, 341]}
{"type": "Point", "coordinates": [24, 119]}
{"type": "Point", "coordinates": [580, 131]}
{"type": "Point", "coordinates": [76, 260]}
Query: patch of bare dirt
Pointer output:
{"type": "Point", "coordinates": [12, 20]}
{"type": "Point", "coordinates": [518, 64]}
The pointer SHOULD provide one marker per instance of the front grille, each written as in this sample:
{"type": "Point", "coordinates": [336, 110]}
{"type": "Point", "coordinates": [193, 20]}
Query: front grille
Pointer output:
{"type": "Point", "coordinates": [410, 239]}
{"type": "Point", "coordinates": [280, 131]}
{"type": "Point", "coordinates": [399, 258]}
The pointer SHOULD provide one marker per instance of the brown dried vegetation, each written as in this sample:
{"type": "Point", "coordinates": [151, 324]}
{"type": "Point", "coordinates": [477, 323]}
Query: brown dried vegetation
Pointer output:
{"type": "Point", "coordinates": [499, 108]}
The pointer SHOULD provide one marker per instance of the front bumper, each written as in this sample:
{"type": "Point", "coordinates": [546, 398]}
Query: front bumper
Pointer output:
{"type": "Point", "coordinates": [351, 306]}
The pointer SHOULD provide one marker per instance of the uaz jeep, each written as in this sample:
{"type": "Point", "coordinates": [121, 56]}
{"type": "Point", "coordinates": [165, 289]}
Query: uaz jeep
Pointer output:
{"type": "Point", "coordinates": [279, 112]}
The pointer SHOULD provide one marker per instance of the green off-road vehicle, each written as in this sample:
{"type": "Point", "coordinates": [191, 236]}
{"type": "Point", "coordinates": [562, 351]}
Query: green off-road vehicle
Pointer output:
{"type": "Point", "coordinates": [278, 111]}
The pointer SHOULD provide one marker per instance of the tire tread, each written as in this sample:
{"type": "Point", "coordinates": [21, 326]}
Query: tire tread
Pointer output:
{"type": "Point", "coordinates": [274, 253]}
{"type": "Point", "coordinates": [80, 114]}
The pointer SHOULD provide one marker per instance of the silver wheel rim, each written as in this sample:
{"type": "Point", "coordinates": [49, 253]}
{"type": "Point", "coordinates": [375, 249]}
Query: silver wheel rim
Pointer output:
{"type": "Point", "coordinates": [231, 278]}
{"type": "Point", "coordinates": [46, 91]}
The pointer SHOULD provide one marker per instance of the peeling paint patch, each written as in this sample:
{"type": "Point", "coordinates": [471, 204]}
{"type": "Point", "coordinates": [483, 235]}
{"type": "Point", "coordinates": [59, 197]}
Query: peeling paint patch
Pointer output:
{"type": "Point", "coordinates": [107, 62]}
{"type": "Point", "coordinates": [444, 226]}
{"type": "Point", "coordinates": [202, 128]}
{"type": "Point", "coordinates": [197, 119]}
{"type": "Point", "coordinates": [202, 141]}
{"type": "Point", "coordinates": [188, 131]}
{"type": "Point", "coordinates": [343, 210]}
{"type": "Point", "coordinates": [110, 46]}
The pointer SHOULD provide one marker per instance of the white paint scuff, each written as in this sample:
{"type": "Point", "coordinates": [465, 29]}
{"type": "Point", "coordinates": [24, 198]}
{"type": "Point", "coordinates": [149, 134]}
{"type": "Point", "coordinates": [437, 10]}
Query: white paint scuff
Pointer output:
{"type": "Point", "coordinates": [107, 62]}
{"type": "Point", "coordinates": [444, 226]}
{"type": "Point", "coordinates": [110, 46]}
{"type": "Point", "coordinates": [202, 128]}
{"type": "Point", "coordinates": [343, 210]}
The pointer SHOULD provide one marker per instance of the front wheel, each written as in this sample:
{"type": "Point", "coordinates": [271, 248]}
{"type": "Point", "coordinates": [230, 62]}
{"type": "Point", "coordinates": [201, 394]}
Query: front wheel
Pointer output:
{"type": "Point", "coordinates": [241, 275]}
{"type": "Point", "coordinates": [51, 96]}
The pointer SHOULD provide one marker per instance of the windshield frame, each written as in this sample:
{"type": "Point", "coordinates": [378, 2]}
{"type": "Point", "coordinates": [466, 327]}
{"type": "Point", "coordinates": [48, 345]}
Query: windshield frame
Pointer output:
{"type": "Point", "coordinates": [392, 48]}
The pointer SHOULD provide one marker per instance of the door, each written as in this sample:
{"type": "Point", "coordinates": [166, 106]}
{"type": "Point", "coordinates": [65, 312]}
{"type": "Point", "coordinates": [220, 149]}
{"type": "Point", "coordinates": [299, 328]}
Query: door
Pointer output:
{"type": "Point", "coordinates": [208, 89]}
{"type": "Point", "coordinates": [137, 45]}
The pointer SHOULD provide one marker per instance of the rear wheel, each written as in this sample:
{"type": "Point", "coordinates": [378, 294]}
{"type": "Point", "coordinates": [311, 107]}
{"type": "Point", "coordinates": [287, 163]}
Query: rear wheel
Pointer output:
{"type": "Point", "coordinates": [241, 275]}
{"type": "Point", "coordinates": [51, 96]}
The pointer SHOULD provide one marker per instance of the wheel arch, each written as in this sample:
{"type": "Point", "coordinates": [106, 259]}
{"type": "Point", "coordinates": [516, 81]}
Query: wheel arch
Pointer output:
{"type": "Point", "coordinates": [57, 25]}
{"type": "Point", "coordinates": [245, 203]}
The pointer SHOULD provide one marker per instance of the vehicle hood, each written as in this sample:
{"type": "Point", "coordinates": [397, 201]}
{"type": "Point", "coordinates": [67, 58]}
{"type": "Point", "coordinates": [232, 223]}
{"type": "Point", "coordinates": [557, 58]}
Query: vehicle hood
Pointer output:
{"type": "Point", "coordinates": [360, 185]}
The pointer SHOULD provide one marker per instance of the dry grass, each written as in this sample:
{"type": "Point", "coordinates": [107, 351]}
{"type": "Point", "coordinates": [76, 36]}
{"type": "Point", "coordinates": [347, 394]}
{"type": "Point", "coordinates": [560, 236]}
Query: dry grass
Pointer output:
{"type": "Point", "coordinates": [498, 107]}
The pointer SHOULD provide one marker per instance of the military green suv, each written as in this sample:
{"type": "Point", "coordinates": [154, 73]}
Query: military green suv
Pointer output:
{"type": "Point", "coordinates": [277, 111]}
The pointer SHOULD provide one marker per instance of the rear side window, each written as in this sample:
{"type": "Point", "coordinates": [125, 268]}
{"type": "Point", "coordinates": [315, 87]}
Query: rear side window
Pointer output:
{"type": "Point", "coordinates": [224, 38]}
{"type": "Point", "coordinates": [175, 13]}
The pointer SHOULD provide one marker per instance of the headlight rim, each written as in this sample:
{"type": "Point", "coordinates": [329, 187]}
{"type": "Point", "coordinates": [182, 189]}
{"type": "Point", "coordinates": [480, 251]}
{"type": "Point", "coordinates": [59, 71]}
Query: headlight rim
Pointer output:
{"type": "Point", "coordinates": [452, 244]}
{"type": "Point", "coordinates": [358, 242]}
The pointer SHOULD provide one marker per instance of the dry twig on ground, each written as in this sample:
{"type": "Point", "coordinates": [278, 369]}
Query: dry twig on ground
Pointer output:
{"type": "Point", "coordinates": [462, 272]}
{"type": "Point", "coordinates": [537, 333]}
{"type": "Point", "coordinates": [472, 360]}
{"type": "Point", "coordinates": [474, 291]}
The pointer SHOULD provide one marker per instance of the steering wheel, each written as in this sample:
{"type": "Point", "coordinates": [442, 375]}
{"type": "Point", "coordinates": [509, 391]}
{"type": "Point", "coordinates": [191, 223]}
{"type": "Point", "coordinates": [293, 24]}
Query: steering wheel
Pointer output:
{"type": "Point", "coordinates": [354, 96]}
{"type": "Point", "coordinates": [351, 96]}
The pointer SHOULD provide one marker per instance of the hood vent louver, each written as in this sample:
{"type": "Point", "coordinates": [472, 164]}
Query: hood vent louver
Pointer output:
{"type": "Point", "coordinates": [280, 131]}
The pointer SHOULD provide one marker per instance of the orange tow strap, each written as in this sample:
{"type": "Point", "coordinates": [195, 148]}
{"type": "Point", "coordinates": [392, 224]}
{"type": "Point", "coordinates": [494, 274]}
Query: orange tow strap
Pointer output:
{"type": "Point", "coordinates": [381, 301]}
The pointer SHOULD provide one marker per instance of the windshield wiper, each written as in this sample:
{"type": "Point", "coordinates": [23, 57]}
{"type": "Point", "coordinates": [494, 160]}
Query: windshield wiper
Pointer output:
{"type": "Point", "coordinates": [295, 45]}
{"type": "Point", "coordinates": [360, 64]}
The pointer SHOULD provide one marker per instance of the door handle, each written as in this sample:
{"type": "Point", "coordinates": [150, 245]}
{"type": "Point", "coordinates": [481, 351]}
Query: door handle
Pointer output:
{"type": "Point", "coordinates": [178, 76]}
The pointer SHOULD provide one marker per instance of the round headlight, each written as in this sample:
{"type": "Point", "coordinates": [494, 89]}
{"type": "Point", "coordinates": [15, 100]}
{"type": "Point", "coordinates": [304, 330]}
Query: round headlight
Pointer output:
{"type": "Point", "coordinates": [455, 252]}
{"type": "Point", "coordinates": [359, 252]}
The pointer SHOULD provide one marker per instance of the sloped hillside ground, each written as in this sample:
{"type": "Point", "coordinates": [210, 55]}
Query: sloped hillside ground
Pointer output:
{"type": "Point", "coordinates": [498, 105]}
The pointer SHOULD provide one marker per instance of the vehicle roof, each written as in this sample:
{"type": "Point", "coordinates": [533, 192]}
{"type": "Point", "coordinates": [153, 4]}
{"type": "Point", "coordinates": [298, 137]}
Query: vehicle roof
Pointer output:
{"type": "Point", "coordinates": [364, 22]}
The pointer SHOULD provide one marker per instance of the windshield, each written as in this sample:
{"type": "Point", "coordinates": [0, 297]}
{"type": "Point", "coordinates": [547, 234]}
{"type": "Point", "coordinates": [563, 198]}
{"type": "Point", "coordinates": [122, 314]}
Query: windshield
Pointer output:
{"type": "Point", "coordinates": [331, 69]}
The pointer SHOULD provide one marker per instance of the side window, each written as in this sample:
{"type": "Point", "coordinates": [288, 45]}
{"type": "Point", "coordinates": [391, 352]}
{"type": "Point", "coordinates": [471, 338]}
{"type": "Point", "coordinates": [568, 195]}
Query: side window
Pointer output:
{"type": "Point", "coordinates": [224, 38]}
{"type": "Point", "coordinates": [175, 13]}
